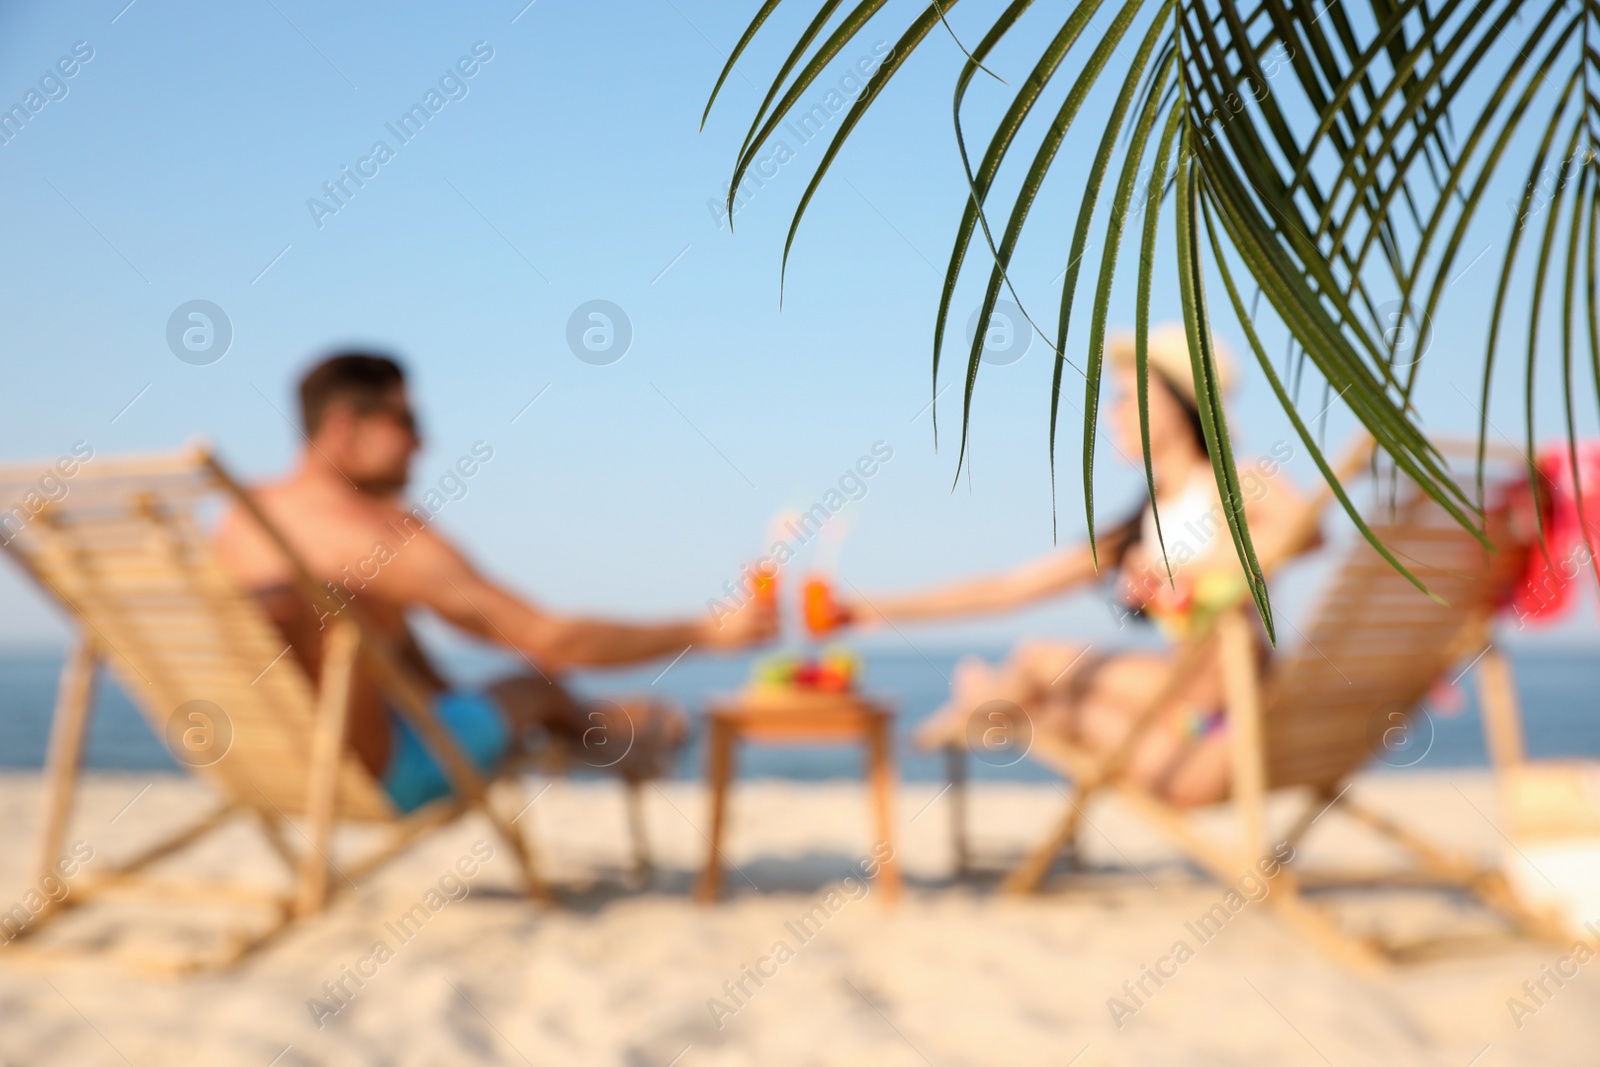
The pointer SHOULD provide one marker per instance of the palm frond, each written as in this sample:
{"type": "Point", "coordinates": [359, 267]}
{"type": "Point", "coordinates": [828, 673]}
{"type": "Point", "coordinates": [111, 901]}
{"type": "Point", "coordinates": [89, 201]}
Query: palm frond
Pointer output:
{"type": "Point", "coordinates": [1315, 142]}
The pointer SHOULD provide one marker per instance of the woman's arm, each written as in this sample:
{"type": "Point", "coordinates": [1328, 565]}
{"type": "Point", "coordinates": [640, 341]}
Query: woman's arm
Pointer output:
{"type": "Point", "coordinates": [1033, 581]}
{"type": "Point", "coordinates": [1283, 524]}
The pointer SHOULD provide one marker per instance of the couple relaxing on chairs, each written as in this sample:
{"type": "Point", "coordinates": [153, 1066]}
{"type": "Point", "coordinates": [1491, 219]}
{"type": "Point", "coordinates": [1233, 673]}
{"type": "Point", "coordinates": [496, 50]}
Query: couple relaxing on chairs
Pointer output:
{"type": "Point", "coordinates": [343, 498]}
{"type": "Point", "coordinates": [357, 726]}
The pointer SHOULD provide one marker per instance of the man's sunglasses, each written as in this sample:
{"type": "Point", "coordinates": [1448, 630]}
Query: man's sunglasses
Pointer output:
{"type": "Point", "coordinates": [405, 417]}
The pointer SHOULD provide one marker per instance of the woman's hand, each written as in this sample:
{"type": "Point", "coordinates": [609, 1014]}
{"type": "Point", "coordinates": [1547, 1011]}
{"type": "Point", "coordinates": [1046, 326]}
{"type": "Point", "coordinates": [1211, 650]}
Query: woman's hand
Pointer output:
{"type": "Point", "coordinates": [1036, 580]}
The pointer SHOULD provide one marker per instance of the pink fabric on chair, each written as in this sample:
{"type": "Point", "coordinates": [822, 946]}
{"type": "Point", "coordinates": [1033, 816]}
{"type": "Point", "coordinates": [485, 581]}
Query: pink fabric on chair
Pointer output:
{"type": "Point", "coordinates": [1545, 590]}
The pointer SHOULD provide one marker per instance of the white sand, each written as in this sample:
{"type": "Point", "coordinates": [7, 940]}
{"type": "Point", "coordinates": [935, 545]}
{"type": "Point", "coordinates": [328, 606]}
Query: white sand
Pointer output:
{"type": "Point", "coordinates": [954, 975]}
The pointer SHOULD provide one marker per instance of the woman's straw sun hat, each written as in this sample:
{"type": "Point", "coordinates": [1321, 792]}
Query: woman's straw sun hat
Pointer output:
{"type": "Point", "coordinates": [1169, 357]}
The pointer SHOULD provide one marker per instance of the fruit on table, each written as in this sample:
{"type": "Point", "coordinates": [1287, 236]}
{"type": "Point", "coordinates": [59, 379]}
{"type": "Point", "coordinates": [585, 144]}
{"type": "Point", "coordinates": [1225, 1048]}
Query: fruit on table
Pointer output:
{"type": "Point", "coordinates": [775, 671]}
{"type": "Point", "coordinates": [835, 671]}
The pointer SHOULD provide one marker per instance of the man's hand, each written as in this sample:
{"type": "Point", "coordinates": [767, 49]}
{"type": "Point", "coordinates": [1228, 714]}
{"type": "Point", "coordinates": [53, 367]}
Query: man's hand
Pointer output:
{"type": "Point", "coordinates": [754, 624]}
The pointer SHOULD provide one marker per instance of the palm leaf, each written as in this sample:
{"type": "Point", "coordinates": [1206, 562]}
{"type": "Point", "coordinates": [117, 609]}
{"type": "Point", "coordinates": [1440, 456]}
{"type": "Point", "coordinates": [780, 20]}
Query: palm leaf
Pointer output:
{"type": "Point", "coordinates": [1141, 343]}
{"type": "Point", "coordinates": [1315, 141]}
{"type": "Point", "coordinates": [1033, 180]}
{"type": "Point", "coordinates": [1097, 323]}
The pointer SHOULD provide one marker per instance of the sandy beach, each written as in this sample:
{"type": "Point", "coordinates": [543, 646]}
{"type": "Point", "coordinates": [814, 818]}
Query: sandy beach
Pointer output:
{"type": "Point", "coordinates": [635, 975]}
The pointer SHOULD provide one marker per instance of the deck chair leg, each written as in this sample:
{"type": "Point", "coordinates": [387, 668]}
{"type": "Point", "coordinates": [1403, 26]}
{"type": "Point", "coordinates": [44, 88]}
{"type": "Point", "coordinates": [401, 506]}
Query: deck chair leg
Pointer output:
{"type": "Point", "coordinates": [327, 753]}
{"type": "Point", "coordinates": [1030, 874]}
{"type": "Point", "coordinates": [642, 865]}
{"type": "Point", "coordinates": [271, 826]}
{"type": "Point", "coordinates": [955, 762]}
{"type": "Point", "coordinates": [1502, 718]}
{"type": "Point", "coordinates": [1324, 931]}
{"type": "Point", "coordinates": [412, 702]}
{"type": "Point", "coordinates": [1502, 722]}
{"type": "Point", "coordinates": [1323, 798]}
{"type": "Point", "coordinates": [1434, 860]}
{"type": "Point", "coordinates": [1242, 696]}
{"type": "Point", "coordinates": [522, 849]}
{"type": "Point", "coordinates": [1487, 884]}
{"type": "Point", "coordinates": [506, 794]}
{"type": "Point", "coordinates": [68, 731]}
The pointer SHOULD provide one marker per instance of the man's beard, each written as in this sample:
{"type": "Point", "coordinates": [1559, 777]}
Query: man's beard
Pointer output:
{"type": "Point", "coordinates": [385, 486]}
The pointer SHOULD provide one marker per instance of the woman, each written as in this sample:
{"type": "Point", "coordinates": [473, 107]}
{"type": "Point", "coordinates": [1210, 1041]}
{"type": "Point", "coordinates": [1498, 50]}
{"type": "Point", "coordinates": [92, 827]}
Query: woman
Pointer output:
{"type": "Point", "coordinates": [1094, 697]}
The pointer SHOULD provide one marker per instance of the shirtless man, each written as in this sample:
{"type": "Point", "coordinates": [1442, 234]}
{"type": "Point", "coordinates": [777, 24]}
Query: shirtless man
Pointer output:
{"type": "Point", "coordinates": [342, 512]}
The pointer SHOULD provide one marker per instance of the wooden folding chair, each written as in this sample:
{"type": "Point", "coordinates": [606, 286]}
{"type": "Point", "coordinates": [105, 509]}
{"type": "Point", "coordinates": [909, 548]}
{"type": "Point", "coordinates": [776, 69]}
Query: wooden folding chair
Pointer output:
{"type": "Point", "coordinates": [124, 551]}
{"type": "Point", "coordinates": [1314, 715]}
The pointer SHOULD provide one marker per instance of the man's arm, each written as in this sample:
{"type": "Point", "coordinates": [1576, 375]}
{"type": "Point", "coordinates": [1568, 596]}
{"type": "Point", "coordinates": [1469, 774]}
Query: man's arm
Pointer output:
{"type": "Point", "coordinates": [432, 574]}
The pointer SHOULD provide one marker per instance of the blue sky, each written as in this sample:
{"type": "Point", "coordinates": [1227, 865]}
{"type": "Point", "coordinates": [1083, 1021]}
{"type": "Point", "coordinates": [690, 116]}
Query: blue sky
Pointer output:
{"type": "Point", "coordinates": [179, 164]}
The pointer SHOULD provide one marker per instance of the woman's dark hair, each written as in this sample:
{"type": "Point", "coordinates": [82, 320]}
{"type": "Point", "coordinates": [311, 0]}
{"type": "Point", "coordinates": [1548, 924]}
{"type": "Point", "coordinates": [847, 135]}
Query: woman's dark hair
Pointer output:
{"type": "Point", "coordinates": [359, 379]}
{"type": "Point", "coordinates": [1191, 410]}
{"type": "Point", "coordinates": [1127, 533]}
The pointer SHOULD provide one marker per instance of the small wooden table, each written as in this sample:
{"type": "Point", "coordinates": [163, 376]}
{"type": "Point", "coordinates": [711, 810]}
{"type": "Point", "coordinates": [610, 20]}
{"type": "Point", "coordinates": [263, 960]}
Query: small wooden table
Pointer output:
{"type": "Point", "coordinates": [799, 717]}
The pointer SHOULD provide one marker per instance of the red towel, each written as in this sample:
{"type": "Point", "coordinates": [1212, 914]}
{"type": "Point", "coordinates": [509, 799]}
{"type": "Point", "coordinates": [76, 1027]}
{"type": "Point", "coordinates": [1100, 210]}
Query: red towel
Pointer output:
{"type": "Point", "coordinates": [1552, 575]}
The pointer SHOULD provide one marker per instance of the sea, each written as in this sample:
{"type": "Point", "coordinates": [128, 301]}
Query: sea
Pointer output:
{"type": "Point", "coordinates": [1559, 689]}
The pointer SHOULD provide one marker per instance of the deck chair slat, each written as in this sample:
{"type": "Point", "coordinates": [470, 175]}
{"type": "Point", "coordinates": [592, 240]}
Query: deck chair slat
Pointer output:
{"type": "Point", "coordinates": [128, 555]}
{"type": "Point", "coordinates": [1365, 656]}
{"type": "Point", "coordinates": [1377, 644]}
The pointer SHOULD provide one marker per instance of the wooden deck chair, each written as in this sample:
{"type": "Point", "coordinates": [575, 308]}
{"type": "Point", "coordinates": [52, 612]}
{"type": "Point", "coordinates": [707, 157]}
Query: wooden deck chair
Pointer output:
{"type": "Point", "coordinates": [122, 548]}
{"type": "Point", "coordinates": [1313, 716]}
